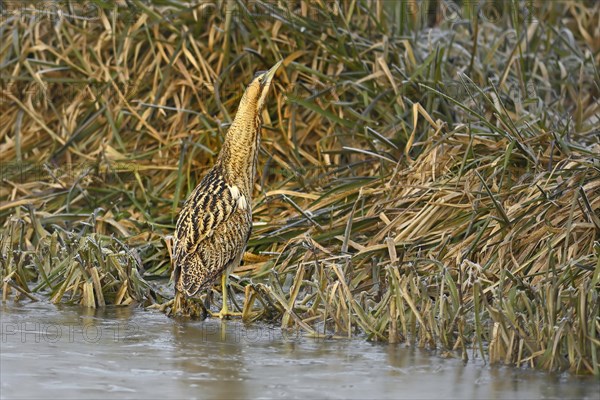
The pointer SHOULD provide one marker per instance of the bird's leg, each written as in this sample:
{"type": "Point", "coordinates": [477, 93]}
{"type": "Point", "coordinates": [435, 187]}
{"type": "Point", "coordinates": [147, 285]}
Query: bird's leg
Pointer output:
{"type": "Point", "coordinates": [177, 303]}
{"type": "Point", "coordinates": [225, 313]}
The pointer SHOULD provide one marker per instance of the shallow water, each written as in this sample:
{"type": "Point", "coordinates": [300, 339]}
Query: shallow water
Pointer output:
{"type": "Point", "coordinates": [75, 353]}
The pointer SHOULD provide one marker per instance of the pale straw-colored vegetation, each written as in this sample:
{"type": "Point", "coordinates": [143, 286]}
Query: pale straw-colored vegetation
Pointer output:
{"type": "Point", "coordinates": [424, 177]}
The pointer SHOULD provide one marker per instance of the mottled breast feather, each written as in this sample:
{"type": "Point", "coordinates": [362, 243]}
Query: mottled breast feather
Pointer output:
{"type": "Point", "coordinates": [211, 232]}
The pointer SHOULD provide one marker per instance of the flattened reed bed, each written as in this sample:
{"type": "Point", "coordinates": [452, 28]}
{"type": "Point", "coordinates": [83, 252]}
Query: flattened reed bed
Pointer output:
{"type": "Point", "coordinates": [420, 181]}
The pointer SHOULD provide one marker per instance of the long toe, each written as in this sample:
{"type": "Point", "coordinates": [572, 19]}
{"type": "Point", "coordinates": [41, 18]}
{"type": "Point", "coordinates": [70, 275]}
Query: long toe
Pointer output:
{"type": "Point", "coordinates": [225, 314]}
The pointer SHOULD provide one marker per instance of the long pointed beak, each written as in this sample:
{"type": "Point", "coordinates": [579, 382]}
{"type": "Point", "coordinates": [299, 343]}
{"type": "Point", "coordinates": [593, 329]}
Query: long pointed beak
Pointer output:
{"type": "Point", "coordinates": [268, 76]}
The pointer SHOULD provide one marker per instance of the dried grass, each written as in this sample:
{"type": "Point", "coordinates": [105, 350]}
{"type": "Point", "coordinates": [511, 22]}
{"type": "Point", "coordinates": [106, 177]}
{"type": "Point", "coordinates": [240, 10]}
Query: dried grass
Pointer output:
{"type": "Point", "coordinates": [421, 181]}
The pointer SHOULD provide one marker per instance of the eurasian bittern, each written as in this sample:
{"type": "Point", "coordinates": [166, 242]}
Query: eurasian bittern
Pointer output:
{"type": "Point", "coordinates": [215, 223]}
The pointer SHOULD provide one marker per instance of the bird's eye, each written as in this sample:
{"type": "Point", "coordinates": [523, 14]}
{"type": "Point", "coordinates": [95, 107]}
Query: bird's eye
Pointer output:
{"type": "Point", "coordinates": [258, 74]}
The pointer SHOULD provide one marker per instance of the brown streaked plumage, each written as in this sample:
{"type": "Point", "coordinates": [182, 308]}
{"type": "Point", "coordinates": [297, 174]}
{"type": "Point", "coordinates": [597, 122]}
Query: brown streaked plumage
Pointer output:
{"type": "Point", "coordinates": [216, 220]}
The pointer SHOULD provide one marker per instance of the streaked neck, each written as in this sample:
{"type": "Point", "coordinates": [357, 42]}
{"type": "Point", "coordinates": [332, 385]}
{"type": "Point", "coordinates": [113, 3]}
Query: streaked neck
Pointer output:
{"type": "Point", "coordinates": [239, 154]}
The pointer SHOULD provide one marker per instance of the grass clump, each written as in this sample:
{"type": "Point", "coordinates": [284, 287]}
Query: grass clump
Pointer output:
{"type": "Point", "coordinates": [428, 174]}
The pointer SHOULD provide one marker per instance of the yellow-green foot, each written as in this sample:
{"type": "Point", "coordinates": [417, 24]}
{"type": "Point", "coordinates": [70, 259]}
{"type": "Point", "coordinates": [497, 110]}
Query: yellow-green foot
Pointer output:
{"type": "Point", "coordinates": [225, 314]}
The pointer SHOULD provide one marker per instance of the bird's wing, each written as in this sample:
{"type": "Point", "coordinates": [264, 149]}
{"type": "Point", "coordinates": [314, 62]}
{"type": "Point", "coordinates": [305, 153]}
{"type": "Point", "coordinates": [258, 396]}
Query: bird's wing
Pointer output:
{"type": "Point", "coordinates": [209, 206]}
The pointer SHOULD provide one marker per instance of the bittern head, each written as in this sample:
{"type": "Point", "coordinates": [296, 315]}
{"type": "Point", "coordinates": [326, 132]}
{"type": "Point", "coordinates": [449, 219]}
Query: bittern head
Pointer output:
{"type": "Point", "coordinates": [256, 93]}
